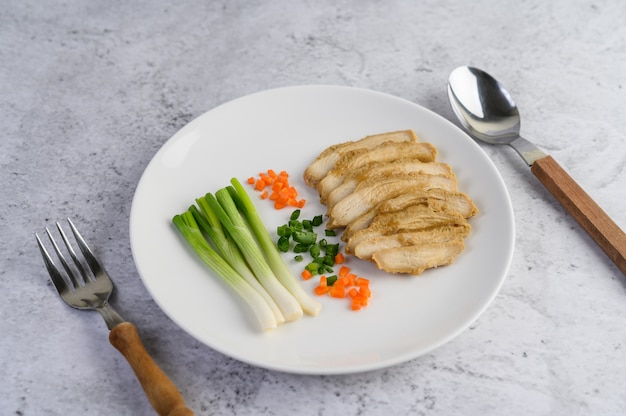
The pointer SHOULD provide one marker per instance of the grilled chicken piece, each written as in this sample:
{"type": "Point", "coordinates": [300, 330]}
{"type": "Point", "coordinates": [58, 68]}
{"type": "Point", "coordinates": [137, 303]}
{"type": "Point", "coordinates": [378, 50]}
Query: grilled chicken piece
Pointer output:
{"type": "Point", "coordinates": [438, 235]}
{"type": "Point", "coordinates": [415, 259]}
{"type": "Point", "coordinates": [341, 176]}
{"type": "Point", "coordinates": [329, 157]}
{"type": "Point", "coordinates": [400, 208]}
{"type": "Point", "coordinates": [437, 199]}
{"type": "Point", "coordinates": [371, 192]}
{"type": "Point", "coordinates": [412, 218]}
{"type": "Point", "coordinates": [444, 181]}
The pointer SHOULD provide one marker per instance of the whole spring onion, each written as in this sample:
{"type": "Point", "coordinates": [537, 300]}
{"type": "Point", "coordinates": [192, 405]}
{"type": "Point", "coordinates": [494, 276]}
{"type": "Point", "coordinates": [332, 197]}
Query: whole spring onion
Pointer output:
{"type": "Point", "coordinates": [191, 232]}
{"type": "Point", "coordinates": [210, 224]}
{"type": "Point", "coordinates": [274, 258]}
{"type": "Point", "coordinates": [226, 211]}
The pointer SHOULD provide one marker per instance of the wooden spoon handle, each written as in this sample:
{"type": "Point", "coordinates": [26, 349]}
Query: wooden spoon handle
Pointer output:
{"type": "Point", "coordinates": [162, 393]}
{"type": "Point", "coordinates": [579, 204]}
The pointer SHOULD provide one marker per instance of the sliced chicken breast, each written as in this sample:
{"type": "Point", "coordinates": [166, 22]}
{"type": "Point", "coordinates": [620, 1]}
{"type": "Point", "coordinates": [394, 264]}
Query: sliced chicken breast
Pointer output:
{"type": "Point", "coordinates": [329, 157]}
{"type": "Point", "coordinates": [339, 177]}
{"type": "Point", "coordinates": [371, 192]}
{"type": "Point", "coordinates": [413, 218]}
{"type": "Point", "coordinates": [436, 199]}
{"type": "Point", "coordinates": [368, 246]}
{"type": "Point", "coordinates": [417, 258]}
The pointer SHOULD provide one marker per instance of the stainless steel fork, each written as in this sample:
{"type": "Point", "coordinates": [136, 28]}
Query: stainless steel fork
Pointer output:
{"type": "Point", "coordinates": [90, 289]}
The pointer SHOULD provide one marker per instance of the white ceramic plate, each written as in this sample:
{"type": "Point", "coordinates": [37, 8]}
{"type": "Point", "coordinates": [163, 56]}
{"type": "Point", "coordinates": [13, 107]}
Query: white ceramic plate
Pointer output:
{"type": "Point", "coordinates": [285, 129]}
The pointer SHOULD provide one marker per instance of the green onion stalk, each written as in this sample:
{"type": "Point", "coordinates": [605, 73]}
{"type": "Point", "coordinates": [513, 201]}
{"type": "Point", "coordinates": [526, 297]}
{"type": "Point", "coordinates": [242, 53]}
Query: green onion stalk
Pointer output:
{"type": "Point", "coordinates": [209, 223]}
{"type": "Point", "coordinates": [226, 211]}
{"type": "Point", "coordinates": [282, 272]}
{"type": "Point", "coordinates": [190, 231]}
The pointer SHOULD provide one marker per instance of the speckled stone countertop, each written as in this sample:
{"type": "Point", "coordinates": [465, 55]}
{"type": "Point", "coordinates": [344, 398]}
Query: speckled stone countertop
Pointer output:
{"type": "Point", "coordinates": [90, 90]}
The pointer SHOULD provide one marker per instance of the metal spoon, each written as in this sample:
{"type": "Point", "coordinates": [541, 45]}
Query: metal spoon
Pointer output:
{"type": "Point", "coordinates": [489, 114]}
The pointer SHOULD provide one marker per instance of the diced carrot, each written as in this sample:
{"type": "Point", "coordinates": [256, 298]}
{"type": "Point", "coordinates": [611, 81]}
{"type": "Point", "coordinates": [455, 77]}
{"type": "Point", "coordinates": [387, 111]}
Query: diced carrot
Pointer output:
{"type": "Point", "coordinates": [361, 281]}
{"type": "Point", "coordinates": [306, 274]}
{"type": "Point", "coordinates": [355, 305]}
{"type": "Point", "coordinates": [321, 290]}
{"type": "Point", "coordinates": [281, 190]}
{"type": "Point", "coordinates": [343, 281]}
{"type": "Point", "coordinates": [343, 271]}
{"type": "Point", "coordinates": [260, 185]}
{"type": "Point", "coordinates": [337, 291]}
{"type": "Point", "coordinates": [351, 278]}
{"type": "Point", "coordinates": [266, 179]}
{"type": "Point", "coordinates": [353, 292]}
{"type": "Point", "coordinates": [365, 291]}
{"type": "Point", "coordinates": [323, 281]}
{"type": "Point", "coordinates": [283, 195]}
{"type": "Point", "coordinates": [339, 258]}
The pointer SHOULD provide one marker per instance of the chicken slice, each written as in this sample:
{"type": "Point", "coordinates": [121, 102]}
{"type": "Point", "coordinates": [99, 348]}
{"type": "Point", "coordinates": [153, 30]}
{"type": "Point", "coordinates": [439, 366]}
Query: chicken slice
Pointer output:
{"type": "Point", "coordinates": [436, 199]}
{"type": "Point", "coordinates": [329, 157]}
{"type": "Point", "coordinates": [420, 182]}
{"type": "Point", "coordinates": [371, 192]}
{"type": "Point", "coordinates": [340, 176]}
{"type": "Point", "coordinates": [410, 219]}
{"type": "Point", "coordinates": [415, 259]}
{"type": "Point", "coordinates": [367, 247]}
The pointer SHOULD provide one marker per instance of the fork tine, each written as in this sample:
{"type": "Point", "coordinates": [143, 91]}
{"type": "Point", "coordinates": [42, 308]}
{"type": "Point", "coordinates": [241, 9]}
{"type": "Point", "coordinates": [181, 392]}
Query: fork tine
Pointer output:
{"type": "Point", "coordinates": [92, 261]}
{"type": "Point", "coordinates": [55, 276]}
{"type": "Point", "coordinates": [68, 270]}
{"type": "Point", "coordinates": [77, 262]}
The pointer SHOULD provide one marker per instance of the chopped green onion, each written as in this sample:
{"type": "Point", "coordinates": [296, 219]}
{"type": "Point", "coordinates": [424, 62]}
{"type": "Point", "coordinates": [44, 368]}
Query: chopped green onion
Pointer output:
{"type": "Point", "coordinates": [295, 225]}
{"type": "Point", "coordinates": [301, 231]}
{"type": "Point", "coordinates": [284, 231]}
{"type": "Point", "coordinates": [283, 244]}
{"type": "Point", "coordinates": [312, 267]}
{"type": "Point", "coordinates": [304, 237]}
{"type": "Point", "coordinates": [315, 251]}
{"type": "Point", "coordinates": [332, 249]}
{"type": "Point", "coordinates": [300, 248]}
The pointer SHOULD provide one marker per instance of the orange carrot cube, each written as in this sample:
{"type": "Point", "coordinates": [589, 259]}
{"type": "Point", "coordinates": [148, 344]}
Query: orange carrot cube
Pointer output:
{"type": "Point", "coordinates": [338, 291]}
{"type": "Point", "coordinates": [321, 290]}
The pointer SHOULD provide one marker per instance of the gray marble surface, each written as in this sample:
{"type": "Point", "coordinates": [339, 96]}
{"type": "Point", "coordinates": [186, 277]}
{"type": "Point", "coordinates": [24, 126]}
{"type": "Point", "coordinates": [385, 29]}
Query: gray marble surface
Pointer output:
{"type": "Point", "coordinates": [90, 90]}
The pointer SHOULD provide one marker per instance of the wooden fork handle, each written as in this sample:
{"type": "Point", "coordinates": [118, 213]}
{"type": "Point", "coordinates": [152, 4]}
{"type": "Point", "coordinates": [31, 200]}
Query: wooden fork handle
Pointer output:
{"type": "Point", "coordinates": [579, 204]}
{"type": "Point", "coordinates": [162, 393]}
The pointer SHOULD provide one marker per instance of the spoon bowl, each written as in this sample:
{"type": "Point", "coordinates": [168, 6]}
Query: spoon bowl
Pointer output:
{"type": "Point", "coordinates": [487, 111]}
{"type": "Point", "coordinates": [483, 106]}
